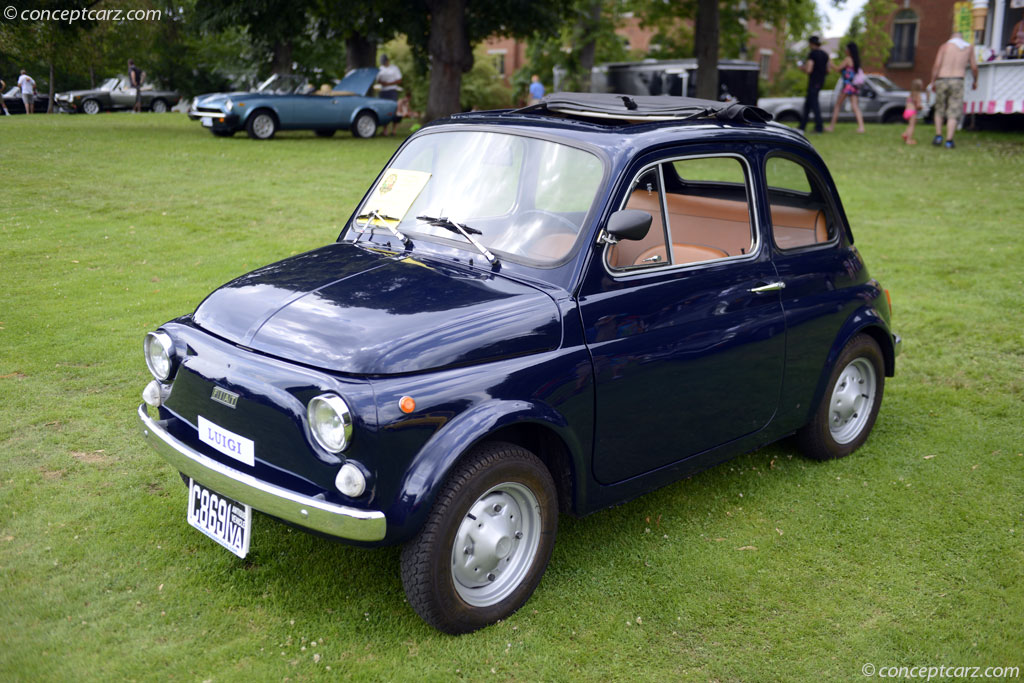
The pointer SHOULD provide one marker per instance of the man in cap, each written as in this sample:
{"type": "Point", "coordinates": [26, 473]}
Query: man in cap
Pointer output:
{"type": "Point", "coordinates": [816, 67]}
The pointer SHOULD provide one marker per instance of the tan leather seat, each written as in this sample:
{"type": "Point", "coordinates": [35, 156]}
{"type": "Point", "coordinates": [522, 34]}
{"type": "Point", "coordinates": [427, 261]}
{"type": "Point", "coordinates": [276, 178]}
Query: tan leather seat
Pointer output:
{"type": "Point", "coordinates": [681, 253]}
{"type": "Point", "coordinates": [794, 227]}
{"type": "Point", "coordinates": [720, 223]}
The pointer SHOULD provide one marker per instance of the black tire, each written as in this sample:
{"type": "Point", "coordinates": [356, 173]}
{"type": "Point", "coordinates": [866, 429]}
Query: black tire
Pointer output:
{"type": "Point", "coordinates": [223, 133]}
{"type": "Point", "coordinates": [840, 424]}
{"type": "Point", "coordinates": [893, 116]}
{"type": "Point", "coordinates": [788, 117]}
{"type": "Point", "coordinates": [364, 125]}
{"type": "Point", "coordinates": [91, 107]}
{"type": "Point", "coordinates": [491, 486]}
{"type": "Point", "coordinates": [325, 132]}
{"type": "Point", "coordinates": [261, 125]}
{"type": "Point", "coordinates": [158, 106]}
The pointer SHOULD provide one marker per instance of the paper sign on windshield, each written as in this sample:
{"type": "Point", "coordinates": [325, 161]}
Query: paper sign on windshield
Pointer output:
{"type": "Point", "coordinates": [394, 194]}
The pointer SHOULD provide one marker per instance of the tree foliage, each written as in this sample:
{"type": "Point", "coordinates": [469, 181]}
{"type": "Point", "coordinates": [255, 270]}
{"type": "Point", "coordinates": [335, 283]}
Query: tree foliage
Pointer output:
{"type": "Point", "coordinates": [876, 42]}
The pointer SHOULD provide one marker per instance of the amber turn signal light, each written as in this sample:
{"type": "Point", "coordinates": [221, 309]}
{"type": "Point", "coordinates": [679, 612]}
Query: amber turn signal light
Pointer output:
{"type": "Point", "coordinates": [407, 404]}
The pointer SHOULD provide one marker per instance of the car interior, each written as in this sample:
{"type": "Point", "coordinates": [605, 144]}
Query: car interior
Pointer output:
{"type": "Point", "coordinates": [709, 220]}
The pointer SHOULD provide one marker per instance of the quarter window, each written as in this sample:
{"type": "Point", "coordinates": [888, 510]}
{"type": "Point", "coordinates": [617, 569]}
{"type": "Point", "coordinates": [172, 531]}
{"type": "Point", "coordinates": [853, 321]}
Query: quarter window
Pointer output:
{"type": "Point", "coordinates": [700, 209]}
{"type": "Point", "coordinates": [801, 216]}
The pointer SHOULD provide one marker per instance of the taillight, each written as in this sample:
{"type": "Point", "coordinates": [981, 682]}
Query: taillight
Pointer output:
{"type": "Point", "coordinates": [889, 299]}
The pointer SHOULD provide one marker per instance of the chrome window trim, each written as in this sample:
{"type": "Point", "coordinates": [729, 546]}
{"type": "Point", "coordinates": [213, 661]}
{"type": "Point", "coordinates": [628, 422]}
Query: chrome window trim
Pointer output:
{"type": "Point", "coordinates": [755, 223]}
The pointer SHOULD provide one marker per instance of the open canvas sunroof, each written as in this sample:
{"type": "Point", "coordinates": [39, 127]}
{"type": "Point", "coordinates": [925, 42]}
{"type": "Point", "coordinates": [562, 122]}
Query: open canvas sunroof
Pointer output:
{"type": "Point", "coordinates": [642, 108]}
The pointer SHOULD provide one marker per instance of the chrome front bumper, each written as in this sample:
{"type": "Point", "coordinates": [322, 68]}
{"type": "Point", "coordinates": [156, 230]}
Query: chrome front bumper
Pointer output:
{"type": "Point", "coordinates": [334, 520]}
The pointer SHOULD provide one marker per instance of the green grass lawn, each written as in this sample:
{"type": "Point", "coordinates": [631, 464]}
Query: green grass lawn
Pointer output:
{"type": "Point", "coordinates": [769, 567]}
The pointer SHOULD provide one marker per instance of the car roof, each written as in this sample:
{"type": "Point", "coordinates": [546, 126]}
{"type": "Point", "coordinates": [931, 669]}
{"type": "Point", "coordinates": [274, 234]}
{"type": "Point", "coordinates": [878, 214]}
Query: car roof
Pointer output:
{"type": "Point", "coordinates": [617, 121]}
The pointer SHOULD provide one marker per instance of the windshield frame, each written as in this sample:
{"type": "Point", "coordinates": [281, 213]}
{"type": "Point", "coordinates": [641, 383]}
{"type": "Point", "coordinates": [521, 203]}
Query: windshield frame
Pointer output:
{"type": "Point", "coordinates": [883, 83]}
{"type": "Point", "coordinates": [351, 233]}
{"type": "Point", "coordinates": [112, 82]}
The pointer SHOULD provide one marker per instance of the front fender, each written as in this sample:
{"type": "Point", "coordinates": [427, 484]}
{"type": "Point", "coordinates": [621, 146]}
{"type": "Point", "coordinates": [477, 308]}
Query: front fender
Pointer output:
{"type": "Point", "coordinates": [428, 470]}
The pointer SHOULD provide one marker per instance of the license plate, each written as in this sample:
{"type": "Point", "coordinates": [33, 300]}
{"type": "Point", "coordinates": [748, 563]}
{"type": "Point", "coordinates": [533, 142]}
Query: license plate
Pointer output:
{"type": "Point", "coordinates": [227, 442]}
{"type": "Point", "coordinates": [207, 121]}
{"type": "Point", "coordinates": [224, 520]}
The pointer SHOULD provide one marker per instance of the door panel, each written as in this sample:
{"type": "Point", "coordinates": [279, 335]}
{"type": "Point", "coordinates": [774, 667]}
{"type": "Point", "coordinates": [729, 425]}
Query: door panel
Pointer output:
{"type": "Point", "coordinates": [686, 357]}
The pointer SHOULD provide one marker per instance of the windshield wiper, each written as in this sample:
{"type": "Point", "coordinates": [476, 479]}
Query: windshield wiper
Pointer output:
{"type": "Point", "coordinates": [376, 215]}
{"type": "Point", "coordinates": [464, 230]}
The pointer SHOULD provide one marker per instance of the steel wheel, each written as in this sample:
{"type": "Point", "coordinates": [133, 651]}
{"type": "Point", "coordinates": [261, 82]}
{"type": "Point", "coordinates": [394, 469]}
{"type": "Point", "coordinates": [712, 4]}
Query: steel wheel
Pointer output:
{"type": "Point", "coordinates": [365, 125]}
{"type": "Point", "coordinates": [852, 398]}
{"type": "Point", "coordinates": [496, 544]}
{"type": "Point", "coordinates": [486, 541]}
{"type": "Point", "coordinates": [91, 107]}
{"type": "Point", "coordinates": [158, 107]}
{"type": "Point", "coordinates": [261, 125]}
{"type": "Point", "coordinates": [847, 410]}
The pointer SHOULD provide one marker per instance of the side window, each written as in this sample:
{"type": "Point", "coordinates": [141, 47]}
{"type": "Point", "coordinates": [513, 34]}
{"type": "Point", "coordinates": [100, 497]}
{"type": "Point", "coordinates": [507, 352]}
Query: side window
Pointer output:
{"type": "Point", "coordinates": [801, 216]}
{"type": "Point", "coordinates": [708, 209]}
{"type": "Point", "coordinates": [644, 195]}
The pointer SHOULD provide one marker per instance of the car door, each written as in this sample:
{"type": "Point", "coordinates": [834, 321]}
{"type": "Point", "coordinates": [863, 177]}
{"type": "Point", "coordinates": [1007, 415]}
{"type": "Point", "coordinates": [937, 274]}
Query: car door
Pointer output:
{"type": "Point", "coordinates": [869, 100]}
{"type": "Point", "coordinates": [123, 95]}
{"type": "Point", "coordinates": [827, 99]}
{"type": "Point", "coordinates": [685, 327]}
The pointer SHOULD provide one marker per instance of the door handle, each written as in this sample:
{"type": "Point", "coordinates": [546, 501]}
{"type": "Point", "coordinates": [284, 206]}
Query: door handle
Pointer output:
{"type": "Point", "coordinates": [770, 287]}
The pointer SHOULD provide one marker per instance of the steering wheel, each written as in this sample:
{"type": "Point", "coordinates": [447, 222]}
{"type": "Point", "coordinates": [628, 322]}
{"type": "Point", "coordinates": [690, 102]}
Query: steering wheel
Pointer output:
{"type": "Point", "coordinates": [572, 227]}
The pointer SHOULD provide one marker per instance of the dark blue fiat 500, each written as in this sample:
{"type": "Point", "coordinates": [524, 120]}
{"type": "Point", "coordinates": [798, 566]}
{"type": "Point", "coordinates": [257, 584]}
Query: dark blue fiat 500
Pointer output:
{"type": "Point", "coordinates": [531, 312]}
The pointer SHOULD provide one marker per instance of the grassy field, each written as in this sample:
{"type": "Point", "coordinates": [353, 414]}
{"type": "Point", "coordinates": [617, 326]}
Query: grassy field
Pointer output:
{"type": "Point", "coordinates": [908, 553]}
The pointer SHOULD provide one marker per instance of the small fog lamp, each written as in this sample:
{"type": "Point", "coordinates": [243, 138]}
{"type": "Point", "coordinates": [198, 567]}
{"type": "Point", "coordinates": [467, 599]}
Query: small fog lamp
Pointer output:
{"type": "Point", "coordinates": [350, 481]}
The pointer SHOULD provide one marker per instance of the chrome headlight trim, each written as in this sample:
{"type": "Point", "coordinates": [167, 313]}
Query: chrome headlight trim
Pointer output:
{"type": "Point", "coordinates": [158, 347]}
{"type": "Point", "coordinates": [330, 422]}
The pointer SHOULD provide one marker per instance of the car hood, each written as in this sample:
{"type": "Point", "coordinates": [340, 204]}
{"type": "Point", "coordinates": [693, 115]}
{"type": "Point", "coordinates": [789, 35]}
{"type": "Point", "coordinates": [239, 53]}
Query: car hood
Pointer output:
{"type": "Point", "coordinates": [358, 310]}
{"type": "Point", "coordinates": [80, 93]}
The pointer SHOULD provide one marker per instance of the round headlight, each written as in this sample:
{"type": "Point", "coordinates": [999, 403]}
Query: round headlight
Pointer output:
{"type": "Point", "coordinates": [350, 480]}
{"type": "Point", "coordinates": [159, 350]}
{"type": "Point", "coordinates": [228, 104]}
{"type": "Point", "coordinates": [330, 421]}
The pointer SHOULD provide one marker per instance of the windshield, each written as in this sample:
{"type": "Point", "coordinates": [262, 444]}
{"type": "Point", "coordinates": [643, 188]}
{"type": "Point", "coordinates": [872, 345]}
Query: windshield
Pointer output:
{"type": "Point", "coordinates": [108, 84]}
{"type": "Point", "coordinates": [283, 85]}
{"type": "Point", "coordinates": [528, 198]}
{"type": "Point", "coordinates": [883, 83]}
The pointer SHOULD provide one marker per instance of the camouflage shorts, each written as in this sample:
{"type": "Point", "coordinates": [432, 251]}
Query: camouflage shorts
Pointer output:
{"type": "Point", "coordinates": [949, 98]}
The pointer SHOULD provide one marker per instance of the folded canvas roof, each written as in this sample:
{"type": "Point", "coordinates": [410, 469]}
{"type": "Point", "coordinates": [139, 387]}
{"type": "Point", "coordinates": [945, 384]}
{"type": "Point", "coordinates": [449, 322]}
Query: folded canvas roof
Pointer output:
{"type": "Point", "coordinates": [638, 108]}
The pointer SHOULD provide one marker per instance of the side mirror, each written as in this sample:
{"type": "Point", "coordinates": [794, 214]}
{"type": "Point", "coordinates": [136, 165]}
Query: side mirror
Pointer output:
{"type": "Point", "coordinates": [628, 224]}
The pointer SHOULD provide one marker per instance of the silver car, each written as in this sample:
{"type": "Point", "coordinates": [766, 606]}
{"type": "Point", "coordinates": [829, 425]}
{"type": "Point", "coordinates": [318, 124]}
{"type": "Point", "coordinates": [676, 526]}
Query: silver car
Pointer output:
{"type": "Point", "coordinates": [881, 100]}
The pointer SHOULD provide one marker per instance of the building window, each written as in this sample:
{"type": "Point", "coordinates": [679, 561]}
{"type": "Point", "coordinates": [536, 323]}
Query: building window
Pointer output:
{"type": "Point", "coordinates": [765, 60]}
{"type": "Point", "coordinates": [499, 60]}
{"type": "Point", "coordinates": [904, 39]}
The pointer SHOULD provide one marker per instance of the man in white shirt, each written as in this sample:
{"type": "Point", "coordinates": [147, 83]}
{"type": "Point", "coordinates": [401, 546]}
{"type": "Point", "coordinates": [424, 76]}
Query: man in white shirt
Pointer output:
{"type": "Point", "coordinates": [389, 77]}
{"type": "Point", "coordinates": [28, 92]}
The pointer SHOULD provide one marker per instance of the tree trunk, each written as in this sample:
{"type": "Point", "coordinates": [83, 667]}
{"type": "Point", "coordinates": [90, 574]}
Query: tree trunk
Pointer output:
{"type": "Point", "coordinates": [92, 76]}
{"type": "Point", "coordinates": [282, 61]}
{"type": "Point", "coordinates": [591, 24]}
{"type": "Point", "coordinates": [706, 47]}
{"type": "Point", "coordinates": [360, 52]}
{"type": "Point", "coordinates": [49, 105]}
{"type": "Point", "coordinates": [450, 56]}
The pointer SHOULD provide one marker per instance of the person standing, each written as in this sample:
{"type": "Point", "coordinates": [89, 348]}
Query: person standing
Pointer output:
{"type": "Point", "coordinates": [28, 92]}
{"type": "Point", "coordinates": [389, 77]}
{"type": "Point", "coordinates": [3, 89]}
{"type": "Point", "coordinates": [816, 67]}
{"type": "Point", "coordinates": [136, 76]}
{"type": "Point", "coordinates": [951, 63]}
{"type": "Point", "coordinates": [536, 89]}
{"type": "Point", "coordinates": [848, 70]}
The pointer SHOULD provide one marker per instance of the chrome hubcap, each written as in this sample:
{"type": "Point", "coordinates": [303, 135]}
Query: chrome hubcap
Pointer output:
{"type": "Point", "coordinates": [496, 544]}
{"type": "Point", "coordinates": [263, 126]}
{"type": "Point", "coordinates": [159, 107]}
{"type": "Point", "coordinates": [852, 398]}
{"type": "Point", "coordinates": [90, 107]}
{"type": "Point", "coordinates": [365, 126]}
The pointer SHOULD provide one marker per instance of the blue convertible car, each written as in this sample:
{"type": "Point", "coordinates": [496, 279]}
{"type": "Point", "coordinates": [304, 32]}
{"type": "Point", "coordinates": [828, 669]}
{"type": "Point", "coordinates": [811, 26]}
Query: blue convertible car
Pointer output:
{"type": "Point", "coordinates": [533, 312]}
{"type": "Point", "coordinates": [291, 103]}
